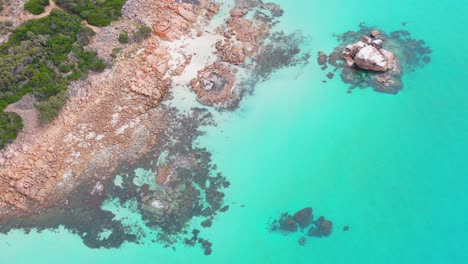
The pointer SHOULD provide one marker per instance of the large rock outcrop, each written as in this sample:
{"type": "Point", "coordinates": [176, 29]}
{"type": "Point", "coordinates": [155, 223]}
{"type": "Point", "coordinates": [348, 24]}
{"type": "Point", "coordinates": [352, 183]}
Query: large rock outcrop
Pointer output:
{"type": "Point", "coordinates": [368, 54]}
{"type": "Point", "coordinates": [214, 85]}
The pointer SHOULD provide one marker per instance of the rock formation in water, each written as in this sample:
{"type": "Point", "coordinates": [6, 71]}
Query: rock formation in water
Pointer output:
{"type": "Point", "coordinates": [302, 222]}
{"type": "Point", "coordinates": [368, 54]}
{"type": "Point", "coordinates": [214, 84]}
{"type": "Point", "coordinates": [372, 58]}
{"type": "Point", "coordinates": [303, 217]}
{"type": "Point", "coordinates": [321, 228]}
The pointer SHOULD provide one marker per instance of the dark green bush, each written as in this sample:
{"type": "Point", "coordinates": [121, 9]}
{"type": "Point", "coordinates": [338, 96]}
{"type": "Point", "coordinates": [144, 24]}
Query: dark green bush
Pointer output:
{"type": "Point", "coordinates": [84, 35]}
{"type": "Point", "coordinates": [97, 13]}
{"type": "Point", "coordinates": [115, 52]}
{"type": "Point", "coordinates": [49, 109]}
{"type": "Point", "coordinates": [64, 68]}
{"type": "Point", "coordinates": [142, 33]}
{"type": "Point", "coordinates": [36, 6]}
{"type": "Point", "coordinates": [10, 125]}
{"type": "Point", "coordinates": [123, 37]}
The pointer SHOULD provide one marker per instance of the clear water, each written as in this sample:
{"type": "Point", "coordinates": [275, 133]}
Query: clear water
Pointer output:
{"type": "Point", "coordinates": [393, 168]}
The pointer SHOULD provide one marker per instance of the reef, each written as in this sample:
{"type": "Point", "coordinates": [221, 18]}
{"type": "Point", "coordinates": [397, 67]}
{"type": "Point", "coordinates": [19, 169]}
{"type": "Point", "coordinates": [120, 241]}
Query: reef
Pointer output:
{"type": "Point", "coordinates": [372, 58]}
{"type": "Point", "coordinates": [302, 222]}
{"type": "Point", "coordinates": [191, 189]}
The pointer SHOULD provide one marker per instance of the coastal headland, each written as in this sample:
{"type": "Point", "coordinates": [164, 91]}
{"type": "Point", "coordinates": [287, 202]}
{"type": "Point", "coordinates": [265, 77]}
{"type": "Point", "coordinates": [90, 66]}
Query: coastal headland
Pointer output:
{"type": "Point", "coordinates": [114, 120]}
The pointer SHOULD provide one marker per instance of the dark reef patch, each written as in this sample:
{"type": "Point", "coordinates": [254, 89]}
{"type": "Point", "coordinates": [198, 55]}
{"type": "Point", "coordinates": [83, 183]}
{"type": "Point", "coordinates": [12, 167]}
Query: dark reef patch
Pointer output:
{"type": "Point", "coordinates": [302, 222]}
{"type": "Point", "coordinates": [180, 185]}
{"type": "Point", "coordinates": [412, 54]}
{"type": "Point", "coordinates": [281, 50]}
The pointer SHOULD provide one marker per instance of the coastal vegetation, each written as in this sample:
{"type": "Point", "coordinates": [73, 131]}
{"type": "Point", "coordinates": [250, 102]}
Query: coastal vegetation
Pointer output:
{"type": "Point", "coordinates": [41, 57]}
{"type": "Point", "coordinates": [123, 37]}
{"type": "Point", "coordinates": [10, 124]}
{"type": "Point", "coordinates": [36, 7]}
{"type": "Point", "coordinates": [142, 33]}
{"type": "Point", "coordinates": [97, 13]}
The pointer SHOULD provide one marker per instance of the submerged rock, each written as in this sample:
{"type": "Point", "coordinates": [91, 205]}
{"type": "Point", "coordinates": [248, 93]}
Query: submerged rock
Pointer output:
{"type": "Point", "coordinates": [322, 58]}
{"type": "Point", "coordinates": [302, 241]}
{"type": "Point", "coordinates": [303, 217]}
{"type": "Point", "coordinates": [288, 224]}
{"type": "Point", "coordinates": [321, 228]}
{"type": "Point", "coordinates": [301, 223]}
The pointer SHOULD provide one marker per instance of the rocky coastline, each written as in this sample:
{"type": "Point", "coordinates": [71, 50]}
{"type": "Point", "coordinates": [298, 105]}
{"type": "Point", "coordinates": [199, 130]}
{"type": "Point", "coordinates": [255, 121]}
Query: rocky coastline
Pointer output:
{"type": "Point", "coordinates": [114, 122]}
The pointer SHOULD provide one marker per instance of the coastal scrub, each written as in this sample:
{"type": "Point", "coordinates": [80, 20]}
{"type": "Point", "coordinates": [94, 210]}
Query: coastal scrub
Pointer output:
{"type": "Point", "coordinates": [36, 7]}
{"type": "Point", "coordinates": [42, 57]}
{"type": "Point", "coordinates": [96, 13]}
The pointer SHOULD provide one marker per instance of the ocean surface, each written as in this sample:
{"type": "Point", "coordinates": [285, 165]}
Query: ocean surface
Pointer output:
{"type": "Point", "coordinates": [391, 167]}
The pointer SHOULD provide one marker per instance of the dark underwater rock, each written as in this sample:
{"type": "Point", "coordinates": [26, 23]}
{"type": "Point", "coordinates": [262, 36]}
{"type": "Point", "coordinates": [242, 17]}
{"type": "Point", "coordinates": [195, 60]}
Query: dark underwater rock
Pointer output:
{"type": "Point", "coordinates": [303, 217]}
{"type": "Point", "coordinates": [322, 58]}
{"type": "Point", "coordinates": [321, 228]}
{"type": "Point", "coordinates": [288, 224]}
{"type": "Point", "coordinates": [302, 241]}
{"type": "Point", "coordinates": [206, 223]}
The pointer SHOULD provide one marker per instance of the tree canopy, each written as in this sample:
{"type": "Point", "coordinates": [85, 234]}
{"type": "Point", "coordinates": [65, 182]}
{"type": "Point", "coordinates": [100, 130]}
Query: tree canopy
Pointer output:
{"type": "Point", "coordinates": [97, 13]}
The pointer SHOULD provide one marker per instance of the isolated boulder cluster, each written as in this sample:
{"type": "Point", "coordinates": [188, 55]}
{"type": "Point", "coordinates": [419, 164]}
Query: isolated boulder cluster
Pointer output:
{"type": "Point", "coordinates": [368, 54]}
{"type": "Point", "coordinates": [302, 221]}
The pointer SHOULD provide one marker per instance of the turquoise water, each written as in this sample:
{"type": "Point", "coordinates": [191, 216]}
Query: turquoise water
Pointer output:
{"type": "Point", "coordinates": [393, 168]}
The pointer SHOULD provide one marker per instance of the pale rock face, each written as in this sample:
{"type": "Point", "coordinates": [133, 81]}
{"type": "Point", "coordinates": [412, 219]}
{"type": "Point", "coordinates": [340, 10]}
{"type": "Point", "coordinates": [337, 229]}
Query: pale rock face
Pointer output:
{"type": "Point", "coordinates": [369, 58]}
{"type": "Point", "coordinates": [392, 61]}
{"type": "Point", "coordinates": [377, 43]}
{"type": "Point", "coordinates": [368, 54]}
{"type": "Point", "coordinates": [157, 204]}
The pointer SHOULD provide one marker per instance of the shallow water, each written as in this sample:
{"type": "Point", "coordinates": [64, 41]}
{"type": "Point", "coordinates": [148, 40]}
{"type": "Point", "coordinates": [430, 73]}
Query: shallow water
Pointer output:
{"type": "Point", "coordinates": [391, 167]}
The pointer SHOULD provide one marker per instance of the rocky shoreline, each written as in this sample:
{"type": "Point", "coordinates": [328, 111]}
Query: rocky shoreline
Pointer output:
{"type": "Point", "coordinates": [113, 123]}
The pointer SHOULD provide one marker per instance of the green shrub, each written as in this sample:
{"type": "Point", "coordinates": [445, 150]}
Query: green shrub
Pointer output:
{"type": "Point", "coordinates": [49, 109]}
{"type": "Point", "coordinates": [84, 35]}
{"type": "Point", "coordinates": [97, 13]}
{"type": "Point", "coordinates": [123, 37]}
{"type": "Point", "coordinates": [36, 6]}
{"type": "Point", "coordinates": [142, 33]}
{"type": "Point", "coordinates": [115, 52]}
{"type": "Point", "coordinates": [64, 68]}
{"type": "Point", "coordinates": [10, 125]}
{"type": "Point", "coordinates": [98, 65]}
